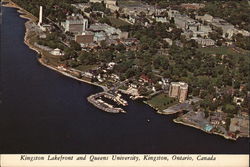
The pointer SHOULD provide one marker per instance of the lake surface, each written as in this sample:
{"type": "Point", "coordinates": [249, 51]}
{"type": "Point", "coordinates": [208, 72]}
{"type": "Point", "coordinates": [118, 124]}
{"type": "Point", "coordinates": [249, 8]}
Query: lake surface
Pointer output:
{"type": "Point", "coordinates": [43, 111]}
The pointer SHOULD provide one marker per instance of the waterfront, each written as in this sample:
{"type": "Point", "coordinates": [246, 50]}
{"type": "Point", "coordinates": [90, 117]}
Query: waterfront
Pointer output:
{"type": "Point", "coordinates": [44, 112]}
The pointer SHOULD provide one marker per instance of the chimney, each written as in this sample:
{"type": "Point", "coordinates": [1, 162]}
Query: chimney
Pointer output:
{"type": "Point", "coordinates": [40, 16]}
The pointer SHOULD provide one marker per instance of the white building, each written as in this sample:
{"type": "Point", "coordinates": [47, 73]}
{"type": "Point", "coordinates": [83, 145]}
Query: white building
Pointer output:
{"type": "Point", "coordinates": [95, 1]}
{"type": "Point", "coordinates": [110, 2]}
{"type": "Point", "coordinates": [57, 52]}
{"type": "Point", "coordinates": [162, 19]}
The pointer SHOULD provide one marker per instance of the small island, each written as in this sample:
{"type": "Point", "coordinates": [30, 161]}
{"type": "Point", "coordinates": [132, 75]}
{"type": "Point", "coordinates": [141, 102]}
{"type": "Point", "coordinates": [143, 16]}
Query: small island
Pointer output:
{"type": "Point", "coordinates": [180, 58]}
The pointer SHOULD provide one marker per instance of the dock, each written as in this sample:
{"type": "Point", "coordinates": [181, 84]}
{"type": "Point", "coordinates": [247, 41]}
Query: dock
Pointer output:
{"type": "Point", "coordinates": [99, 103]}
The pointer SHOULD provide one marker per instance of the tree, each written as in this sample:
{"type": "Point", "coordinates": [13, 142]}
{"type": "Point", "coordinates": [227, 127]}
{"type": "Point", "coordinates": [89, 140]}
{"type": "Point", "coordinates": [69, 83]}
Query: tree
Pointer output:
{"type": "Point", "coordinates": [228, 122]}
{"type": "Point", "coordinates": [75, 46]}
{"type": "Point", "coordinates": [105, 20]}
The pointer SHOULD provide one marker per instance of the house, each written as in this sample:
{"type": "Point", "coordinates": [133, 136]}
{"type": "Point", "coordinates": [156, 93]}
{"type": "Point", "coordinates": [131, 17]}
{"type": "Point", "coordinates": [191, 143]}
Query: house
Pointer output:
{"type": "Point", "coordinates": [238, 100]}
{"type": "Point", "coordinates": [145, 78]}
{"type": "Point", "coordinates": [111, 65]}
{"type": "Point", "coordinates": [169, 41]}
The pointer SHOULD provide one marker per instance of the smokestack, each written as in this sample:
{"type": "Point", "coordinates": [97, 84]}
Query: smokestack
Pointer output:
{"type": "Point", "coordinates": [40, 16]}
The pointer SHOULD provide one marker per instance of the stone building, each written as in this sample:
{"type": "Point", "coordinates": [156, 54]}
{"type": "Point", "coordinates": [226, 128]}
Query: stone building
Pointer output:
{"type": "Point", "coordinates": [75, 24]}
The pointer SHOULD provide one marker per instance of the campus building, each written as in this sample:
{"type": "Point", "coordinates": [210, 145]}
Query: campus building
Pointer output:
{"type": "Point", "coordinates": [179, 90]}
{"type": "Point", "coordinates": [75, 24]}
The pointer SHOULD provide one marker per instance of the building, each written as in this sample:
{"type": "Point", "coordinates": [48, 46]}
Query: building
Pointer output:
{"type": "Point", "coordinates": [95, 1]}
{"type": "Point", "coordinates": [112, 8]}
{"type": "Point", "coordinates": [110, 2]}
{"type": "Point", "coordinates": [183, 92]}
{"type": "Point", "coordinates": [179, 90]}
{"type": "Point", "coordinates": [185, 22]}
{"type": "Point", "coordinates": [112, 5]}
{"type": "Point", "coordinates": [162, 19]}
{"type": "Point", "coordinates": [238, 100]}
{"type": "Point", "coordinates": [100, 36]}
{"type": "Point", "coordinates": [85, 38]}
{"type": "Point", "coordinates": [206, 18]}
{"type": "Point", "coordinates": [169, 41]}
{"type": "Point", "coordinates": [109, 31]}
{"type": "Point", "coordinates": [204, 42]}
{"type": "Point", "coordinates": [193, 6]}
{"type": "Point", "coordinates": [134, 10]}
{"type": "Point", "coordinates": [75, 24]}
{"type": "Point", "coordinates": [57, 52]}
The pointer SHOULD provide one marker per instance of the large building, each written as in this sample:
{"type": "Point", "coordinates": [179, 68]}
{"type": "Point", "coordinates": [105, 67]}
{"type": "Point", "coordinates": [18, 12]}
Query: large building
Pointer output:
{"type": "Point", "coordinates": [109, 31]}
{"type": "Point", "coordinates": [75, 24]}
{"type": "Point", "coordinates": [179, 90]}
{"type": "Point", "coordinates": [85, 38]}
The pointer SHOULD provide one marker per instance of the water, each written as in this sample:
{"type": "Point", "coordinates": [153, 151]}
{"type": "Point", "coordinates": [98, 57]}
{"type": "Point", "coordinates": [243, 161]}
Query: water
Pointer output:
{"type": "Point", "coordinates": [43, 111]}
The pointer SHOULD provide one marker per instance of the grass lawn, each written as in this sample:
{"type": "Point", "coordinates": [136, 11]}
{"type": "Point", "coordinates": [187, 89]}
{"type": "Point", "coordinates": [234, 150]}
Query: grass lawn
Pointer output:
{"type": "Point", "coordinates": [222, 50]}
{"type": "Point", "coordinates": [85, 67]}
{"type": "Point", "coordinates": [162, 101]}
{"type": "Point", "coordinates": [128, 2]}
{"type": "Point", "coordinates": [52, 60]}
{"type": "Point", "coordinates": [117, 22]}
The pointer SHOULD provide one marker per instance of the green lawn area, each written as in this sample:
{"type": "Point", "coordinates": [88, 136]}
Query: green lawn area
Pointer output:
{"type": "Point", "coordinates": [52, 60]}
{"type": "Point", "coordinates": [85, 67]}
{"type": "Point", "coordinates": [117, 22]}
{"type": "Point", "coordinates": [162, 101]}
{"type": "Point", "coordinates": [128, 2]}
{"type": "Point", "coordinates": [222, 50]}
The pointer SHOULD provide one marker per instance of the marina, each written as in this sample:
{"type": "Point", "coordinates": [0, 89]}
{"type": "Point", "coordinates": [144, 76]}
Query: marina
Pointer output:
{"type": "Point", "coordinates": [98, 102]}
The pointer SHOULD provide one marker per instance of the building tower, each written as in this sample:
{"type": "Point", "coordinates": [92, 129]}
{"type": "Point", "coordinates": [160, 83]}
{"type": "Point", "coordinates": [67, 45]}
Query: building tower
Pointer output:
{"type": "Point", "coordinates": [183, 92]}
{"type": "Point", "coordinates": [179, 90]}
{"type": "Point", "coordinates": [40, 16]}
{"type": "Point", "coordinates": [174, 89]}
{"type": "Point", "coordinates": [85, 24]}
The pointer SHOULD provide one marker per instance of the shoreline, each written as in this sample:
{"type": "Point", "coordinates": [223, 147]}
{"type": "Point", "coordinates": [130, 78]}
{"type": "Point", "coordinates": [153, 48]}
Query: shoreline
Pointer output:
{"type": "Point", "coordinates": [30, 18]}
{"type": "Point", "coordinates": [25, 14]}
{"type": "Point", "coordinates": [212, 133]}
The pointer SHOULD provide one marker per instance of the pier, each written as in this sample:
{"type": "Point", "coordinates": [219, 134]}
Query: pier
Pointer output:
{"type": "Point", "coordinates": [99, 103]}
